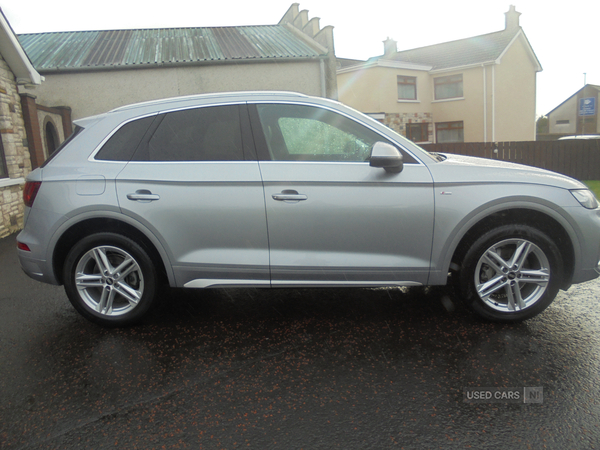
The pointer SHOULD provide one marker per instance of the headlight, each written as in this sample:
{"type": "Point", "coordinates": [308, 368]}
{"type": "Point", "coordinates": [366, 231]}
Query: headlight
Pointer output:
{"type": "Point", "coordinates": [586, 198]}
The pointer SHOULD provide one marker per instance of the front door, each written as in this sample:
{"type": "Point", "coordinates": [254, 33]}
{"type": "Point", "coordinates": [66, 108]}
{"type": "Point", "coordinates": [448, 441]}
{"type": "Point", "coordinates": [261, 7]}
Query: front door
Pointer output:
{"type": "Point", "coordinates": [332, 218]}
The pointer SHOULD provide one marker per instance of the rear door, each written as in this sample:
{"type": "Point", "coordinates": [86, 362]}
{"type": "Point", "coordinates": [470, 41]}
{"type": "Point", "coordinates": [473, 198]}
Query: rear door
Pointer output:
{"type": "Point", "coordinates": [195, 183]}
{"type": "Point", "coordinates": [333, 219]}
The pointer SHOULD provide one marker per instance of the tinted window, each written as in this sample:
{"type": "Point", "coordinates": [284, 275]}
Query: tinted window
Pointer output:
{"type": "Point", "coordinates": [202, 134]}
{"type": "Point", "coordinates": [121, 146]}
{"type": "Point", "coordinates": [78, 130]}
{"type": "Point", "coordinates": [306, 133]}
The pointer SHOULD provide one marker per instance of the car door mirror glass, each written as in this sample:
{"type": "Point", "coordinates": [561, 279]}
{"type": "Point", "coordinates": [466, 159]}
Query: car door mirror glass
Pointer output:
{"type": "Point", "coordinates": [387, 157]}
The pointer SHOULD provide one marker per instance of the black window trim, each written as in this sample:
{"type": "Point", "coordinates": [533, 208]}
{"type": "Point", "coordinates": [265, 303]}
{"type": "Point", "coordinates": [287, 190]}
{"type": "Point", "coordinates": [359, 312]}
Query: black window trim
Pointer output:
{"type": "Point", "coordinates": [143, 145]}
{"type": "Point", "coordinates": [92, 157]}
{"type": "Point", "coordinates": [75, 133]}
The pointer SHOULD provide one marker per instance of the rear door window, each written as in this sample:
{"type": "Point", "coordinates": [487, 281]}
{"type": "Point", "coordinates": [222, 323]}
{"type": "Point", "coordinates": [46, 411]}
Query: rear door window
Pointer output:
{"type": "Point", "coordinates": [201, 134]}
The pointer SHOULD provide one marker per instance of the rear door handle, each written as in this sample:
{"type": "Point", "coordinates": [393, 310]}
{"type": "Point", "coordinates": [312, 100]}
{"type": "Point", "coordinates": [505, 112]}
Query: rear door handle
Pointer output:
{"type": "Point", "coordinates": [143, 195]}
{"type": "Point", "coordinates": [289, 195]}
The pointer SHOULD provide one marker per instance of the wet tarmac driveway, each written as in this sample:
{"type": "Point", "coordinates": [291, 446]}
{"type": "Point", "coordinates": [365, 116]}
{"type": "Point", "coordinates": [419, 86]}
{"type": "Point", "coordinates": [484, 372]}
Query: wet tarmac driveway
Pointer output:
{"type": "Point", "coordinates": [313, 369]}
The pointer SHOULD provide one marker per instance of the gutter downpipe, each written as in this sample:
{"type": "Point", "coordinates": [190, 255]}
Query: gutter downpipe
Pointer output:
{"type": "Point", "coordinates": [535, 107]}
{"type": "Point", "coordinates": [323, 87]}
{"type": "Point", "coordinates": [484, 105]}
{"type": "Point", "coordinates": [494, 103]}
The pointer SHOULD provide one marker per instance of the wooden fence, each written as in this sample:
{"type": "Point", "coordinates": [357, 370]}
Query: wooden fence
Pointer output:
{"type": "Point", "coordinates": [577, 158]}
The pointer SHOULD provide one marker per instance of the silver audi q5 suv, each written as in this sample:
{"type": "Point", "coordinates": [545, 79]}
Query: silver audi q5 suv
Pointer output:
{"type": "Point", "coordinates": [275, 189]}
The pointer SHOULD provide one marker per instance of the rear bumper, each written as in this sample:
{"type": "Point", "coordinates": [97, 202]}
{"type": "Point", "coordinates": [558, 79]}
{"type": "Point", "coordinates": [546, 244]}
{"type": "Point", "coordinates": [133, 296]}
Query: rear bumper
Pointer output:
{"type": "Point", "coordinates": [36, 268]}
{"type": "Point", "coordinates": [585, 275]}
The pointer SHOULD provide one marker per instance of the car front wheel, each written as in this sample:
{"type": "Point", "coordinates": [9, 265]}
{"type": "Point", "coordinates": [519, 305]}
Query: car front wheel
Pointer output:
{"type": "Point", "coordinates": [110, 279]}
{"type": "Point", "coordinates": [511, 273]}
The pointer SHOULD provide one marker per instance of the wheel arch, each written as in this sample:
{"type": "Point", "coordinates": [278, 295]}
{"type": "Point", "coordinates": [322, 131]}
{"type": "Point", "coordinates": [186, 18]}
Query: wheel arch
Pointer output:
{"type": "Point", "coordinates": [73, 232]}
{"type": "Point", "coordinates": [551, 224]}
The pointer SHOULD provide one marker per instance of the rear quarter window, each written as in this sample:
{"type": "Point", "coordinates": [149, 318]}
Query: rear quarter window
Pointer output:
{"type": "Point", "coordinates": [122, 145]}
{"type": "Point", "coordinates": [63, 145]}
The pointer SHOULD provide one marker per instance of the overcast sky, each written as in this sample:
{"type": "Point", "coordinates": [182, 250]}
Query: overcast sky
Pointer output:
{"type": "Point", "coordinates": [563, 35]}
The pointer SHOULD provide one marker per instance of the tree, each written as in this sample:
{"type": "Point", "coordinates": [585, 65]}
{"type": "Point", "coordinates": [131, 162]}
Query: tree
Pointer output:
{"type": "Point", "coordinates": [542, 125]}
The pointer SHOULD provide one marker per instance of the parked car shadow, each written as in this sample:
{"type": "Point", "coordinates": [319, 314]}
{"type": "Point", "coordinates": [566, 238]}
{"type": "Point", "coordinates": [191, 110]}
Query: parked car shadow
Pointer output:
{"type": "Point", "coordinates": [186, 305]}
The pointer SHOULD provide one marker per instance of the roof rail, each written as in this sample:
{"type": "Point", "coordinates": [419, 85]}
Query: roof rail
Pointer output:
{"type": "Point", "coordinates": [211, 95]}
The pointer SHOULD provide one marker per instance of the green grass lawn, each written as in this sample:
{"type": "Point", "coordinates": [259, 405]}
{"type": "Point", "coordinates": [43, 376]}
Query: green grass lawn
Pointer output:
{"type": "Point", "coordinates": [594, 185]}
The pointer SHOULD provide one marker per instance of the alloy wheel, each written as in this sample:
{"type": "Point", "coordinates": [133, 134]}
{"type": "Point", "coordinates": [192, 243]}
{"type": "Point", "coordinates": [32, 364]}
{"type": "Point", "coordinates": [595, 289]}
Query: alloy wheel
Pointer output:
{"type": "Point", "coordinates": [109, 280]}
{"type": "Point", "coordinates": [512, 275]}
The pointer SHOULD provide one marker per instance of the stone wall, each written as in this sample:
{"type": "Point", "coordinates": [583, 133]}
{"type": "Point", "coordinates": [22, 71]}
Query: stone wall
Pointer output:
{"type": "Point", "coordinates": [398, 122]}
{"type": "Point", "coordinates": [16, 153]}
{"type": "Point", "coordinates": [12, 209]}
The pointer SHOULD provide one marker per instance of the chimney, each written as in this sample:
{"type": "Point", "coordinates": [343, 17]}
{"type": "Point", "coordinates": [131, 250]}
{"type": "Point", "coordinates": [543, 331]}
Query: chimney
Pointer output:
{"type": "Point", "coordinates": [390, 48]}
{"type": "Point", "coordinates": [512, 18]}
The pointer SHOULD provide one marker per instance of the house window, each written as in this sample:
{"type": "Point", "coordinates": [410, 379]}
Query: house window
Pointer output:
{"type": "Point", "coordinates": [417, 132]}
{"type": "Point", "coordinates": [449, 132]}
{"type": "Point", "coordinates": [407, 88]}
{"type": "Point", "coordinates": [563, 122]}
{"type": "Point", "coordinates": [3, 168]}
{"type": "Point", "coordinates": [448, 87]}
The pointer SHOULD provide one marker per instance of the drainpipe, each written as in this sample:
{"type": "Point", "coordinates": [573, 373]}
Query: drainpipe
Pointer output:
{"type": "Point", "coordinates": [484, 104]}
{"type": "Point", "coordinates": [535, 107]}
{"type": "Point", "coordinates": [323, 86]}
{"type": "Point", "coordinates": [494, 103]}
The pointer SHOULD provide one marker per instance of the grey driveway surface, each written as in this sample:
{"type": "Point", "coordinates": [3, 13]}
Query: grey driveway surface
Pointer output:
{"type": "Point", "coordinates": [314, 369]}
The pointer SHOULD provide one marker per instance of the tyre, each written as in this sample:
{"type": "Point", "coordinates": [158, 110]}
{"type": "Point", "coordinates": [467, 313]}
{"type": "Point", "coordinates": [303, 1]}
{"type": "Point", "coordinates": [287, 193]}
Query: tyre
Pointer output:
{"type": "Point", "coordinates": [511, 273]}
{"type": "Point", "coordinates": [110, 279]}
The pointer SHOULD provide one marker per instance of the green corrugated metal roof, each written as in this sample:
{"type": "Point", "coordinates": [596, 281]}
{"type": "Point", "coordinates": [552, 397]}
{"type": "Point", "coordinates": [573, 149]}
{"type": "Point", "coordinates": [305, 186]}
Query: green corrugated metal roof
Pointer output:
{"type": "Point", "coordinates": [124, 48]}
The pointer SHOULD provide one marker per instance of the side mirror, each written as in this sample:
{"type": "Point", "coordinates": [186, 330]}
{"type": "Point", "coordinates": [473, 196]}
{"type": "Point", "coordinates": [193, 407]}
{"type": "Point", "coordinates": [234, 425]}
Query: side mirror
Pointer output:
{"type": "Point", "coordinates": [387, 157]}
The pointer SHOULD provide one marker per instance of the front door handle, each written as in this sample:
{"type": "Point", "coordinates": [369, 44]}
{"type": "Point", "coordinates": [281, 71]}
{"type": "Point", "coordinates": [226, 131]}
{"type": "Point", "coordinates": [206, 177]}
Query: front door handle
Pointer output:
{"type": "Point", "coordinates": [143, 195]}
{"type": "Point", "coordinates": [289, 195]}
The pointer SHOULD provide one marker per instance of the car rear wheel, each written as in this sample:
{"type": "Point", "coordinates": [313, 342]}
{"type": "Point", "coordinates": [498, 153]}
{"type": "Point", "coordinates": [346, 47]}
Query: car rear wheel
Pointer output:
{"type": "Point", "coordinates": [511, 273]}
{"type": "Point", "coordinates": [110, 279]}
